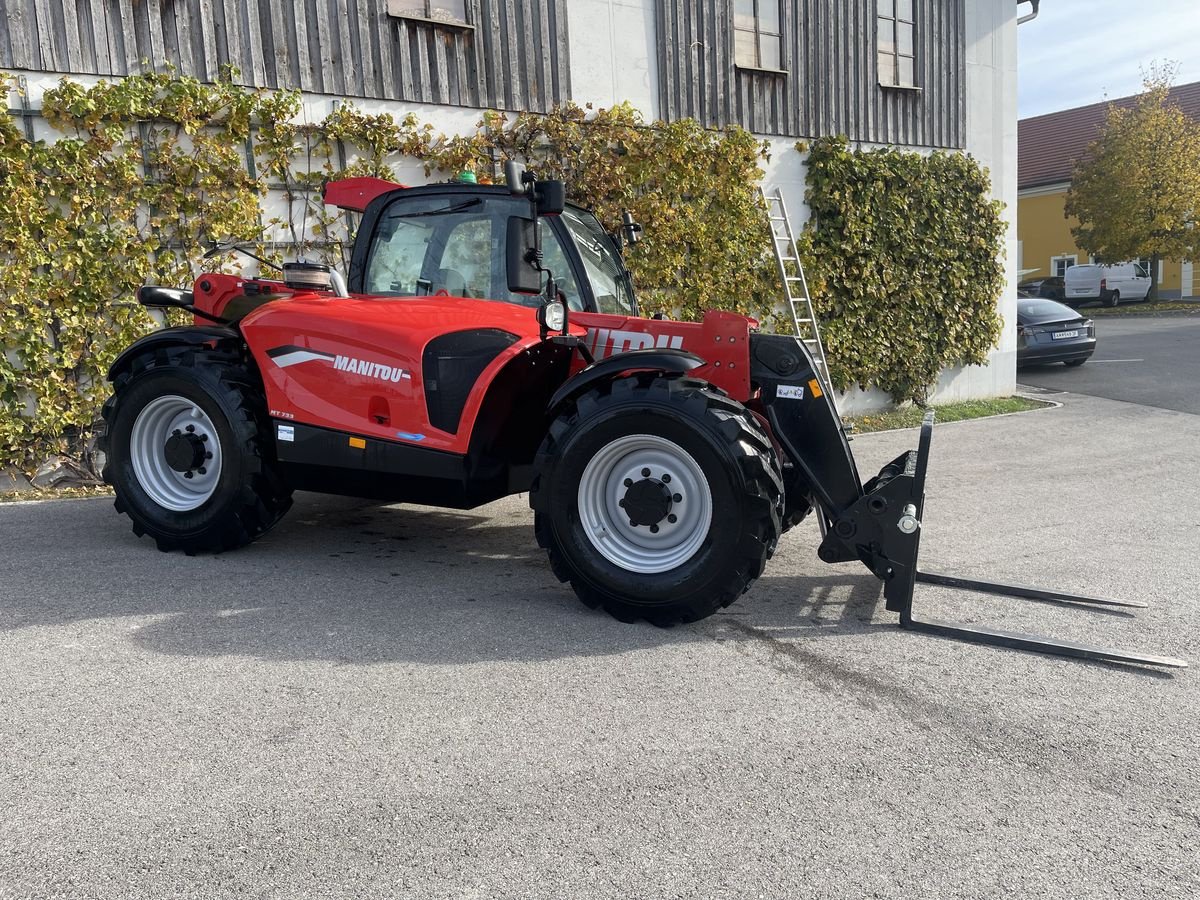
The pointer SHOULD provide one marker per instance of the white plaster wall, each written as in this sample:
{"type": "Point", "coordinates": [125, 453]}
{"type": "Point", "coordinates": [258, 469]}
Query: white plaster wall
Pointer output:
{"type": "Point", "coordinates": [992, 139]}
{"type": "Point", "coordinates": [613, 53]}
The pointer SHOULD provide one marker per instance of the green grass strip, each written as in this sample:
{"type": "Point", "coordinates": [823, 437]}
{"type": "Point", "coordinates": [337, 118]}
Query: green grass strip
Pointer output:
{"type": "Point", "coordinates": [911, 416]}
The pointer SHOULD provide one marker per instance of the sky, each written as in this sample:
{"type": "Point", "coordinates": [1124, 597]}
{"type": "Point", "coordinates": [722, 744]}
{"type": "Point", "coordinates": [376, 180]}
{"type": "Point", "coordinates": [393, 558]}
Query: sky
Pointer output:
{"type": "Point", "coordinates": [1083, 51]}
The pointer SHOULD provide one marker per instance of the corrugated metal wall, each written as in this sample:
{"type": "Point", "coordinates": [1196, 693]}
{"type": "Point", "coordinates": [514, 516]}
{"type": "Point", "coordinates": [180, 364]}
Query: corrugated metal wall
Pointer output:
{"type": "Point", "coordinates": [830, 86]}
{"type": "Point", "coordinates": [514, 56]}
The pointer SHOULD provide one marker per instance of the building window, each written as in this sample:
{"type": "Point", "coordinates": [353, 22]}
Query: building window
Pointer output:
{"type": "Point", "coordinates": [1060, 264]}
{"type": "Point", "coordinates": [757, 34]}
{"type": "Point", "coordinates": [895, 29]}
{"type": "Point", "coordinates": [450, 12]}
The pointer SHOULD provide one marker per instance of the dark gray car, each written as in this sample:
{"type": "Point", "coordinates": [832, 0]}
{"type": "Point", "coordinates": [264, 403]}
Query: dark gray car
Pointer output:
{"type": "Point", "coordinates": [1049, 332]}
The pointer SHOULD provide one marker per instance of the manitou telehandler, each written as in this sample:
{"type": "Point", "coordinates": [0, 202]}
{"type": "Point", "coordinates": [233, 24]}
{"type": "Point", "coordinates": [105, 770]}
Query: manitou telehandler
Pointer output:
{"type": "Point", "coordinates": [485, 342]}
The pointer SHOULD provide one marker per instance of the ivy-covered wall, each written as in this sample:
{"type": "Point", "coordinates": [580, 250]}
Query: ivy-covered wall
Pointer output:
{"type": "Point", "coordinates": [146, 172]}
{"type": "Point", "coordinates": [910, 251]}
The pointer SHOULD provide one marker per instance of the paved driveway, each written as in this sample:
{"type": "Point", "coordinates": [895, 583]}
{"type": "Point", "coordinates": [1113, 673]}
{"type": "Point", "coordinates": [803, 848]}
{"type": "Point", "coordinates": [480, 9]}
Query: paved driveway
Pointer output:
{"type": "Point", "coordinates": [1142, 359]}
{"type": "Point", "coordinates": [378, 702]}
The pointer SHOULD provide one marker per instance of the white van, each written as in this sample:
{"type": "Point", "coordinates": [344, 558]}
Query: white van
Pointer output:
{"type": "Point", "coordinates": [1108, 284]}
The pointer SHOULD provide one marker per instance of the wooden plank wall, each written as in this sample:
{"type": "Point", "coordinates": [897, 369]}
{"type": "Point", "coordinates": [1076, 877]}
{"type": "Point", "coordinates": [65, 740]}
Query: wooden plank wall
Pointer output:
{"type": "Point", "coordinates": [515, 56]}
{"type": "Point", "coordinates": [830, 86]}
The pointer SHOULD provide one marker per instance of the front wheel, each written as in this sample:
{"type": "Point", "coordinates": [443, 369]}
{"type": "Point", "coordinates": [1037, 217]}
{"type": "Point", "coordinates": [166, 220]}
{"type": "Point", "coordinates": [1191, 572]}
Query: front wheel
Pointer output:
{"type": "Point", "coordinates": [657, 499]}
{"type": "Point", "coordinates": [188, 454]}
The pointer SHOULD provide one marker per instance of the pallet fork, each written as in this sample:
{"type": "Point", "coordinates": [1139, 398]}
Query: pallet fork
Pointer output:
{"type": "Point", "coordinates": [889, 544]}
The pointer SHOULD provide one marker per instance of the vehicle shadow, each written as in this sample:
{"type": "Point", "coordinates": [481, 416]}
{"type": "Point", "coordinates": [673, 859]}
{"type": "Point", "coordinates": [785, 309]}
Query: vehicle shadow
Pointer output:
{"type": "Point", "coordinates": [355, 583]}
{"type": "Point", "coordinates": [368, 584]}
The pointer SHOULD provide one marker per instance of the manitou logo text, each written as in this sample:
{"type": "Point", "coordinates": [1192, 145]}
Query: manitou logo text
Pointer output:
{"type": "Point", "coordinates": [370, 369]}
{"type": "Point", "coordinates": [291, 355]}
{"type": "Point", "coordinates": [605, 341]}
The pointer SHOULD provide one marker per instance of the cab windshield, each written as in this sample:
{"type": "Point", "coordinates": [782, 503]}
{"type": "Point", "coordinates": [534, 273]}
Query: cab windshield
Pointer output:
{"type": "Point", "coordinates": [602, 265]}
{"type": "Point", "coordinates": [453, 244]}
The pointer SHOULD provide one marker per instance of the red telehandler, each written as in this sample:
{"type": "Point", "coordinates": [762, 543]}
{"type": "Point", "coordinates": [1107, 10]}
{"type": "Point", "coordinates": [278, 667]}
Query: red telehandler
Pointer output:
{"type": "Point", "coordinates": [486, 342]}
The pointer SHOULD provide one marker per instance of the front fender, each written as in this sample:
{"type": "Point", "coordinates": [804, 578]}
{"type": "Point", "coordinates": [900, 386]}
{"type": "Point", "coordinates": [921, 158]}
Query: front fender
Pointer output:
{"type": "Point", "coordinates": [666, 360]}
{"type": "Point", "coordinates": [179, 336]}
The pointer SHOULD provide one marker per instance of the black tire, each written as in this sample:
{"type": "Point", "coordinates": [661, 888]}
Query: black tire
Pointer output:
{"type": "Point", "coordinates": [1073, 363]}
{"type": "Point", "coordinates": [248, 496]}
{"type": "Point", "coordinates": [720, 438]}
{"type": "Point", "coordinates": [1113, 298]}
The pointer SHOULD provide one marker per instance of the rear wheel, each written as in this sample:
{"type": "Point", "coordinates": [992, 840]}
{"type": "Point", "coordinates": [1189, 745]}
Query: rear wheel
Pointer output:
{"type": "Point", "coordinates": [657, 499]}
{"type": "Point", "coordinates": [1113, 299]}
{"type": "Point", "coordinates": [187, 451]}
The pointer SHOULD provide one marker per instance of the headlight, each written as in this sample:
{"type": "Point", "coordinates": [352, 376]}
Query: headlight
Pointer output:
{"type": "Point", "coordinates": [554, 316]}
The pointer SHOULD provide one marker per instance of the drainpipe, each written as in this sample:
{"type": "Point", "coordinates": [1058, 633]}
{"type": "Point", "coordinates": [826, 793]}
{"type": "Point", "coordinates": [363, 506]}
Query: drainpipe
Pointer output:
{"type": "Point", "coordinates": [1029, 17]}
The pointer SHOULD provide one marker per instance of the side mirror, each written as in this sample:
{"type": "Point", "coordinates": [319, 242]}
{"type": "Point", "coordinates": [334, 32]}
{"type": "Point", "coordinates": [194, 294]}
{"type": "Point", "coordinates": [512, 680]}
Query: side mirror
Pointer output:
{"type": "Point", "coordinates": [630, 230]}
{"type": "Point", "coordinates": [514, 177]}
{"type": "Point", "coordinates": [524, 277]}
{"type": "Point", "coordinates": [551, 197]}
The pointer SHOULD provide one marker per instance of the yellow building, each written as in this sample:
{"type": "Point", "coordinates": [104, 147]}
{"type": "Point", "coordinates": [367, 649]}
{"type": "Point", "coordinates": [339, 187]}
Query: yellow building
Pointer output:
{"type": "Point", "coordinates": [1047, 149]}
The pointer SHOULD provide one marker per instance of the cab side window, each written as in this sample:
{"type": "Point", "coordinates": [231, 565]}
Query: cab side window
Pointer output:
{"type": "Point", "coordinates": [455, 245]}
{"type": "Point", "coordinates": [425, 246]}
{"type": "Point", "coordinates": [465, 267]}
{"type": "Point", "coordinates": [397, 257]}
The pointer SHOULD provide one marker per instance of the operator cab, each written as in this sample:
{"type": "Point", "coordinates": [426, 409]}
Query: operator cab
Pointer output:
{"type": "Point", "coordinates": [450, 240]}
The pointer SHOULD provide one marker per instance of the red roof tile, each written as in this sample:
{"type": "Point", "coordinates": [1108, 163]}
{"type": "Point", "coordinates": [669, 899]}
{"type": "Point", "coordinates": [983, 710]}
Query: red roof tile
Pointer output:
{"type": "Point", "coordinates": [1048, 146]}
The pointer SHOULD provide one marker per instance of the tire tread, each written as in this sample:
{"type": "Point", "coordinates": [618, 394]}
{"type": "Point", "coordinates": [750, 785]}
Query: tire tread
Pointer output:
{"type": "Point", "coordinates": [752, 453]}
{"type": "Point", "coordinates": [262, 500]}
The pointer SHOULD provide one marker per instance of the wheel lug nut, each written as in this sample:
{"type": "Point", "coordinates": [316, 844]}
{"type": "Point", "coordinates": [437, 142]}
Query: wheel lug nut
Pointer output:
{"type": "Point", "coordinates": [677, 498]}
{"type": "Point", "coordinates": [202, 470]}
{"type": "Point", "coordinates": [187, 474]}
{"type": "Point", "coordinates": [621, 503]}
{"type": "Point", "coordinates": [633, 524]}
{"type": "Point", "coordinates": [204, 437]}
{"type": "Point", "coordinates": [191, 429]}
{"type": "Point", "coordinates": [672, 518]}
{"type": "Point", "coordinates": [645, 473]}
{"type": "Point", "coordinates": [208, 456]}
{"type": "Point", "coordinates": [628, 482]}
{"type": "Point", "coordinates": [654, 529]}
{"type": "Point", "coordinates": [177, 432]}
{"type": "Point", "coordinates": [666, 479]}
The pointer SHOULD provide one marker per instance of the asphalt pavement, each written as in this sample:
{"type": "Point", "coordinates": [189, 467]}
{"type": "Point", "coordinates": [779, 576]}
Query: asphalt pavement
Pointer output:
{"type": "Point", "coordinates": [1153, 360]}
{"type": "Point", "coordinates": [377, 701]}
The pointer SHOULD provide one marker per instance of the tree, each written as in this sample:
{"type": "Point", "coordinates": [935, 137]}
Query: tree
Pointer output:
{"type": "Point", "coordinates": [1136, 192]}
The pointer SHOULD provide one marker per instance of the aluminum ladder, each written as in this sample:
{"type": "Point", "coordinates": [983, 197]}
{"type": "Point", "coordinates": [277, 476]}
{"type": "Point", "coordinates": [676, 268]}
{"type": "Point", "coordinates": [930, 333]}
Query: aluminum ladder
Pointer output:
{"type": "Point", "coordinates": [804, 317]}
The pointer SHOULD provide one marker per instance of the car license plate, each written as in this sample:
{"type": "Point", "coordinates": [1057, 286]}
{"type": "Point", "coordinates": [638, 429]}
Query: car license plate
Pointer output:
{"type": "Point", "coordinates": [1062, 335]}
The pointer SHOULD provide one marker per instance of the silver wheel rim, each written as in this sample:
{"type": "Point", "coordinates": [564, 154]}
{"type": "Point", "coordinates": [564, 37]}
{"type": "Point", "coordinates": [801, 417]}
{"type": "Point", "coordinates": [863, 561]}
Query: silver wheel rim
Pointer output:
{"type": "Point", "coordinates": [603, 486]}
{"type": "Point", "coordinates": [156, 423]}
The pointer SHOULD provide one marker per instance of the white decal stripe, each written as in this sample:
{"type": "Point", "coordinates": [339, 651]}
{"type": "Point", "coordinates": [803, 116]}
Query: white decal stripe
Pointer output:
{"type": "Point", "coordinates": [300, 356]}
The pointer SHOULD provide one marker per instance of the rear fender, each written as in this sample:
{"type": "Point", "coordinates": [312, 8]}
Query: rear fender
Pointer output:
{"type": "Point", "coordinates": [211, 336]}
{"type": "Point", "coordinates": [664, 361]}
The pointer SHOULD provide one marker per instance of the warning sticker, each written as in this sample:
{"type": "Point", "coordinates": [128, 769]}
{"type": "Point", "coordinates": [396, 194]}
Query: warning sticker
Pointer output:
{"type": "Point", "coordinates": [285, 433]}
{"type": "Point", "coordinates": [790, 391]}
